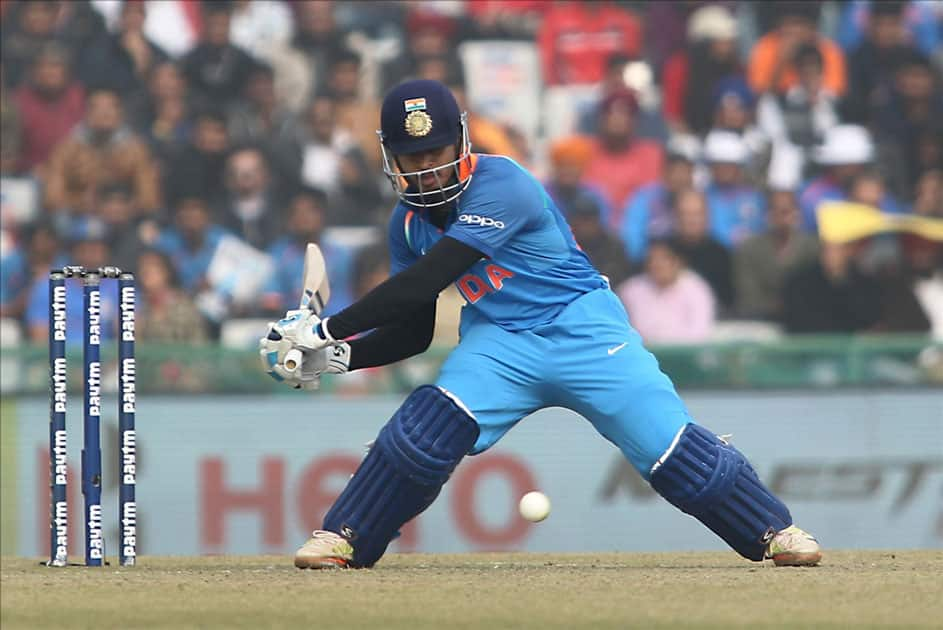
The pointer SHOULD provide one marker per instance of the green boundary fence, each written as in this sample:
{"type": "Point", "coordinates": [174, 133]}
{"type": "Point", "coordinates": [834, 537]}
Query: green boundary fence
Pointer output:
{"type": "Point", "coordinates": [796, 362]}
{"type": "Point", "coordinates": [8, 485]}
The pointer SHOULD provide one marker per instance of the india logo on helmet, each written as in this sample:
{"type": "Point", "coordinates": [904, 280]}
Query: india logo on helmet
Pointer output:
{"type": "Point", "coordinates": [418, 123]}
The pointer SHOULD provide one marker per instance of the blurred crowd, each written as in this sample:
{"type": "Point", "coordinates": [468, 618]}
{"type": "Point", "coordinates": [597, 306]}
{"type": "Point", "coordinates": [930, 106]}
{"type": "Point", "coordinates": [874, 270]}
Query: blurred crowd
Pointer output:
{"type": "Point", "coordinates": [690, 144]}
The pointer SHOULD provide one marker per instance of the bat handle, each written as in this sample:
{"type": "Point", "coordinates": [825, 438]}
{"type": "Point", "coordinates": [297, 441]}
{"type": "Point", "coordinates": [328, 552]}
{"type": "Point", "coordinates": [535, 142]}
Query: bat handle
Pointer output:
{"type": "Point", "coordinates": [293, 360]}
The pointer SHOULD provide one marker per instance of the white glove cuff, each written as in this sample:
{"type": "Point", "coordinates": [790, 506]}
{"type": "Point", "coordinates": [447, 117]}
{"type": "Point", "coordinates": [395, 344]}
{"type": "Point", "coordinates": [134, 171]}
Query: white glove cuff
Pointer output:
{"type": "Point", "coordinates": [322, 328]}
{"type": "Point", "coordinates": [338, 358]}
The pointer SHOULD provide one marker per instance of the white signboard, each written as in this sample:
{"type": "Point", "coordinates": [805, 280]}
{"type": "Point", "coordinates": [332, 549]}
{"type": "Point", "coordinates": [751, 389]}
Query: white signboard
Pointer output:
{"type": "Point", "coordinates": [503, 82]}
{"type": "Point", "coordinates": [254, 475]}
{"type": "Point", "coordinates": [238, 270]}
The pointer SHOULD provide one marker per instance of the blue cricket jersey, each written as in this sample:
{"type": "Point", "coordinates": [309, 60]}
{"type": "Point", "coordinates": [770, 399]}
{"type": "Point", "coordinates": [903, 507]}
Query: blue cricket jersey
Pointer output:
{"type": "Point", "coordinates": [533, 266]}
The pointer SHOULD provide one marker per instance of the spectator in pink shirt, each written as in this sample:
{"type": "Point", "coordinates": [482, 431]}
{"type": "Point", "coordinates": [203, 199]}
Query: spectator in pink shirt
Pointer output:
{"type": "Point", "coordinates": [668, 303]}
{"type": "Point", "coordinates": [620, 162]}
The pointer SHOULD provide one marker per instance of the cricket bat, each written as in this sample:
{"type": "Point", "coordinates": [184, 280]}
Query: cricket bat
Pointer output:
{"type": "Point", "coordinates": [315, 292]}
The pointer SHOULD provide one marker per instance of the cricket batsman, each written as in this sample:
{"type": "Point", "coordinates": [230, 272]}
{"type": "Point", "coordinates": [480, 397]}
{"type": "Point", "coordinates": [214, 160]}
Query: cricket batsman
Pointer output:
{"type": "Point", "coordinates": [540, 328]}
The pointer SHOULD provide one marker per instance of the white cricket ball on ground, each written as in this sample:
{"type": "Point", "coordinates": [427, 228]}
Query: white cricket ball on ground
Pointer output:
{"type": "Point", "coordinates": [534, 506]}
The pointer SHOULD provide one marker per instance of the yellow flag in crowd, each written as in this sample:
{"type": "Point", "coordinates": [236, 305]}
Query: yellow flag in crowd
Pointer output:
{"type": "Point", "coordinates": [844, 221]}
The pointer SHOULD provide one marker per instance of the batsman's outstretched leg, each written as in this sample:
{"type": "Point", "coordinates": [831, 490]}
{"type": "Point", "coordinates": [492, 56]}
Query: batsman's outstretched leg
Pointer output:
{"type": "Point", "coordinates": [706, 477]}
{"type": "Point", "coordinates": [401, 476]}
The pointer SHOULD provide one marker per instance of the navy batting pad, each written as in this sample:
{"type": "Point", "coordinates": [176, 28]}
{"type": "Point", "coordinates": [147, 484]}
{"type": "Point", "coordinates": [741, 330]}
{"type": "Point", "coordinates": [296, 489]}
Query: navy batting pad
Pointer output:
{"type": "Point", "coordinates": [403, 473]}
{"type": "Point", "coordinates": [713, 482]}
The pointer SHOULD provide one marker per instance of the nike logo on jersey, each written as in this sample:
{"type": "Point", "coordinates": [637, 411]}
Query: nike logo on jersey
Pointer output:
{"type": "Point", "coordinates": [612, 351]}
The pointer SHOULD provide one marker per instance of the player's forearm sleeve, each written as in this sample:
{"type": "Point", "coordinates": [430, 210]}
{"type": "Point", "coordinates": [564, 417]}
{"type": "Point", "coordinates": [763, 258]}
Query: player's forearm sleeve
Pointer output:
{"type": "Point", "coordinates": [406, 292]}
{"type": "Point", "coordinates": [394, 342]}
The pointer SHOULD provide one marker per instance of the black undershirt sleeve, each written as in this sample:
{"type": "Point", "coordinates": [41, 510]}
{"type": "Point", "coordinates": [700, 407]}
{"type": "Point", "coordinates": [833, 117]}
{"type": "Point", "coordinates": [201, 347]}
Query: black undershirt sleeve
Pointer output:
{"type": "Point", "coordinates": [394, 342]}
{"type": "Point", "coordinates": [399, 297]}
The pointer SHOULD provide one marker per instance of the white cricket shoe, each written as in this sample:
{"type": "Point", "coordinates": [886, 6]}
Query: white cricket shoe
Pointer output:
{"type": "Point", "coordinates": [324, 550]}
{"type": "Point", "coordinates": [793, 547]}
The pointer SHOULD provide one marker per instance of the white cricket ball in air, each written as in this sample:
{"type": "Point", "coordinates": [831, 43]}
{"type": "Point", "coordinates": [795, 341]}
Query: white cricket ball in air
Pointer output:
{"type": "Point", "coordinates": [534, 506]}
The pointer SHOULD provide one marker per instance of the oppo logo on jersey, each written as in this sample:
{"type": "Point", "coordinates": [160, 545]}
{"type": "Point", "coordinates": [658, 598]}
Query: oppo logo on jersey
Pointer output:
{"type": "Point", "coordinates": [475, 219]}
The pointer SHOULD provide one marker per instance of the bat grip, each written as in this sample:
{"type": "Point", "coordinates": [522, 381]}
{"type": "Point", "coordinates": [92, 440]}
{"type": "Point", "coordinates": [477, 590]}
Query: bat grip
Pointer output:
{"type": "Point", "coordinates": [293, 360]}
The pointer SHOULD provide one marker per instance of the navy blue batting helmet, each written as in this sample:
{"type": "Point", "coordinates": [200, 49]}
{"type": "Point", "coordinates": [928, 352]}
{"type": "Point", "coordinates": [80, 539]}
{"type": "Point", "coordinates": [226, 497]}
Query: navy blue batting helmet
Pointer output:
{"type": "Point", "coordinates": [419, 115]}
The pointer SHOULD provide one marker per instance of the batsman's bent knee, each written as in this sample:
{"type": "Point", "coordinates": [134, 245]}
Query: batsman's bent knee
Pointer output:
{"type": "Point", "coordinates": [401, 476]}
{"type": "Point", "coordinates": [709, 479]}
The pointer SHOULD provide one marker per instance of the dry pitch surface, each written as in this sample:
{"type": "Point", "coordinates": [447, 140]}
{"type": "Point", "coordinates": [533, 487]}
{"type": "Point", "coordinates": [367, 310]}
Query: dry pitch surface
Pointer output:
{"type": "Point", "coordinates": [704, 590]}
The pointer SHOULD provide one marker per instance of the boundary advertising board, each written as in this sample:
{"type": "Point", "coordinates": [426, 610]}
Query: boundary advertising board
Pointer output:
{"type": "Point", "coordinates": [239, 475]}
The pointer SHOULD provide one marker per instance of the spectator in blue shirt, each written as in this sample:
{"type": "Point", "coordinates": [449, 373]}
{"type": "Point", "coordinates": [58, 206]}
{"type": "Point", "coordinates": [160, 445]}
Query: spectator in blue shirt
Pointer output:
{"type": "Point", "coordinates": [604, 248]}
{"type": "Point", "coordinates": [191, 241]}
{"type": "Point", "coordinates": [568, 158]}
{"type": "Point", "coordinates": [919, 18]}
{"type": "Point", "coordinates": [41, 251]}
{"type": "Point", "coordinates": [870, 188]}
{"type": "Point", "coordinates": [305, 224]}
{"type": "Point", "coordinates": [845, 154]}
{"type": "Point", "coordinates": [737, 209]}
{"type": "Point", "coordinates": [14, 277]}
{"type": "Point", "coordinates": [908, 124]}
{"type": "Point", "coordinates": [873, 63]}
{"type": "Point", "coordinates": [735, 109]}
{"type": "Point", "coordinates": [649, 213]}
{"type": "Point", "coordinates": [89, 248]}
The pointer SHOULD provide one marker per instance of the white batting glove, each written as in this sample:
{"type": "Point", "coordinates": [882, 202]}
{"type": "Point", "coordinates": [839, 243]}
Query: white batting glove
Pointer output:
{"type": "Point", "coordinates": [337, 357]}
{"type": "Point", "coordinates": [304, 330]}
{"type": "Point", "coordinates": [310, 364]}
{"type": "Point", "coordinates": [331, 360]}
{"type": "Point", "coordinates": [273, 350]}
